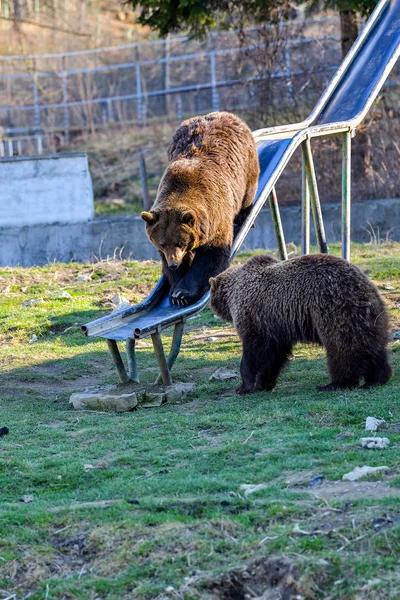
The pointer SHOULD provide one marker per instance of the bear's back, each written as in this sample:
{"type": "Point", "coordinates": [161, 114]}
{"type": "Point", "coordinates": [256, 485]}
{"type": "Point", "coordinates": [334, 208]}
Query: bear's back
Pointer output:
{"type": "Point", "coordinates": [320, 288]}
{"type": "Point", "coordinates": [218, 136]}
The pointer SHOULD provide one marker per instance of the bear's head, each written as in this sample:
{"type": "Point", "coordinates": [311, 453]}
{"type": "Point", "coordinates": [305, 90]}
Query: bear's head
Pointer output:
{"type": "Point", "coordinates": [221, 293]}
{"type": "Point", "coordinates": [176, 232]}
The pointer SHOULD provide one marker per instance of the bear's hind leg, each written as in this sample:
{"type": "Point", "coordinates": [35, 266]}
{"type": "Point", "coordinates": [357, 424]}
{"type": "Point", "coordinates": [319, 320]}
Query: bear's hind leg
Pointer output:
{"type": "Point", "coordinates": [344, 370]}
{"type": "Point", "coordinates": [277, 358]}
{"type": "Point", "coordinates": [378, 372]}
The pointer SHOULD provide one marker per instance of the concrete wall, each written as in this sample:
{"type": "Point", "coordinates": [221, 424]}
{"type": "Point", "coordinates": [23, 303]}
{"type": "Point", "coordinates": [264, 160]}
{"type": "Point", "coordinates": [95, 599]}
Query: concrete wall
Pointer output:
{"type": "Point", "coordinates": [54, 188]}
{"type": "Point", "coordinates": [125, 236]}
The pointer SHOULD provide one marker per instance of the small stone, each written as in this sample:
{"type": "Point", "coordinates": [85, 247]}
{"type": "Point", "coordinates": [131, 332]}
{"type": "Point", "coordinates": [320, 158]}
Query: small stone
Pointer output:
{"type": "Point", "coordinates": [316, 481]}
{"type": "Point", "coordinates": [373, 424]}
{"type": "Point", "coordinates": [117, 299]}
{"type": "Point", "coordinates": [224, 373]}
{"type": "Point", "coordinates": [27, 498]}
{"type": "Point", "coordinates": [106, 399]}
{"type": "Point", "coordinates": [63, 295]}
{"type": "Point", "coordinates": [32, 302]}
{"type": "Point", "coordinates": [177, 391]}
{"type": "Point", "coordinates": [88, 467]}
{"type": "Point", "coordinates": [250, 488]}
{"type": "Point", "coordinates": [212, 339]}
{"type": "Point", "coordinates": [121, 306]}
{"type": "Point", "coordinates": [83, 277]}
{"type": "Point", "coordinates": [33, 339]}
{"type": "Point", "coordinates": [360, 472]}
{"type": "Point", "coordinates": [375, 442]}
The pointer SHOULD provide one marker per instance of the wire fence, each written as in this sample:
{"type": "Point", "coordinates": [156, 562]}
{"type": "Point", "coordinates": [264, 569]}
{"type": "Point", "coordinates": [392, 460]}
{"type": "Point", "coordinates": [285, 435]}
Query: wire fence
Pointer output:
{"type": "Point", "coordinates": [48, 97]}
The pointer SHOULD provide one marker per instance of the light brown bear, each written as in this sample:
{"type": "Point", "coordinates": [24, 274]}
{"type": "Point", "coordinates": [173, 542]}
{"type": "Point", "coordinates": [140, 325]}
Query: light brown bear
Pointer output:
{"type": "Point", "coordinates": [211, 182]}
{"type": "Point", "coordinates": [316, 298]}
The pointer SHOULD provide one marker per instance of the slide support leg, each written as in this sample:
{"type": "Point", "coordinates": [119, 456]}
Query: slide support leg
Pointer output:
{"type": "Point", "coordinates": [160, 356]}
{"type": "Point", "coordinates": [276, 219]}
{"type": "Point", "coordinates": [132, 364]}
{"type": "Point", "coordinates": [305, 211]}
{"type": "Point", "coordinates": [175, 347]}
{"type": "Point", "coordinates": [116, 356]}
{"type": "Point", "coordinates": [346, 194]}
{"type": "Point", "coordinates": [314, 197]}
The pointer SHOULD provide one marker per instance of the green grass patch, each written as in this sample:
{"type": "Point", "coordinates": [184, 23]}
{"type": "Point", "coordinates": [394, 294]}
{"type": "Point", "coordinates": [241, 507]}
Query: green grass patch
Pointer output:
{"type": "Point", "coordinates": [149, 504]}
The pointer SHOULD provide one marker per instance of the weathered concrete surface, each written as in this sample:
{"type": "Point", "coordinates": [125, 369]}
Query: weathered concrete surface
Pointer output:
{"type": "Point", "coordinates": [53, 188]}
{"type": "Point", "coordinates": [125, 236]}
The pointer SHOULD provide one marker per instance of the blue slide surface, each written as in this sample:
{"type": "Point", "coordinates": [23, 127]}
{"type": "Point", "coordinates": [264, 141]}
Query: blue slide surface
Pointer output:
{"type": "Point", "coordinates": [343, 105]}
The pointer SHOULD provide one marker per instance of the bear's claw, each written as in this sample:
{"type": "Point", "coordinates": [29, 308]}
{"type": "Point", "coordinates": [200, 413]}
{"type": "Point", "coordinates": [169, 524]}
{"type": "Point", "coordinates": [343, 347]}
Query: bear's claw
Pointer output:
{"type": "Point", "coordinates": [179, 299]}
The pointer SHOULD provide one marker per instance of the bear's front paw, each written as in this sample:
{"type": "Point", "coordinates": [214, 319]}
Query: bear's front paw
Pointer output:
{"type": "Point", "coordinates": [244, 389]}
{"type": "Point", "coordinates": [183, 297]}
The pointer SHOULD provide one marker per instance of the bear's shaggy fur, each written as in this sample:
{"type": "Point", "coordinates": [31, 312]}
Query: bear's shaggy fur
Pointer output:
{"type": "Point", "coordinates": [211, 181]}
{"type": "Point", "coordinates": [315, 298]}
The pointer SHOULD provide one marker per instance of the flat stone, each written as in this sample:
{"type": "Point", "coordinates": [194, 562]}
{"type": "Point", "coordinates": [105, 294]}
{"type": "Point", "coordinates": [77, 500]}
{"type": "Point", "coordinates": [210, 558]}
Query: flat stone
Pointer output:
{"type": "Point", "coordinates": [107, 399]}
{"type": "Point", "coordinates": [177, 391]}
{"type": "Point", "coordinates": [150, 399]}
{"type": "Point", "coordinates": [373, 424]}
{"type": "Point", "coordinates": [250, 488]}
{"type": "Point", "coordinates": [375, 442]}
{"type": "Point", "coordinates": [32, 302]}
{"type": "Point", "coordinates": [360, 472]}
{"type": "Point", "coordinates": [224, 373]}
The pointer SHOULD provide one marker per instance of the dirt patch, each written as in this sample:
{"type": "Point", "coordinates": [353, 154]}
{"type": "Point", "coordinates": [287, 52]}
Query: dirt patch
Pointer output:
{"type": "Point", "coordinates": [310, 481]}
{"type": "Point", "coordinates": [353, 490]}
{"type": "Point", "coordinates": [272, 579]}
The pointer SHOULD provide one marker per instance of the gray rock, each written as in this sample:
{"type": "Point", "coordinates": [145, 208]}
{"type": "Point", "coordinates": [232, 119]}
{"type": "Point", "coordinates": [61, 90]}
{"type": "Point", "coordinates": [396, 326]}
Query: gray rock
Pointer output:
{"type": "Point", "coordinates": [373, 424]}
{"type": "Point", "coordinates": [108, 399]}
{"type": "Point", "coordinates": [150, 399]}
{"type": "Point", "coordinates": [177, 391]}
{"type": "Point", "coordinates": [225, 373]}
{"type": "Point", "coordinates": [360, 472]}
{"type": "Point", "coordinates": [375, 442]}
{"type": "Point", "coordinates": [32, 302]}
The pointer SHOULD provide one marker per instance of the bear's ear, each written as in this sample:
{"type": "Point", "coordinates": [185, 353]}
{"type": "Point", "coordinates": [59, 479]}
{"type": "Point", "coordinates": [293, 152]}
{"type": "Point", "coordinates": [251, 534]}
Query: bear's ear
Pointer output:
{"type": "Point", "coordinates": [188, 218]}
{"type": "Point", "coordinates": [213, 283]}
{"type": "Point", "coordinates": [149, 217]}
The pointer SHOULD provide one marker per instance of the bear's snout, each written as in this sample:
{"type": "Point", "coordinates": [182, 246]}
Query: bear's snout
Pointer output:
{"type": "Point", "coordinates": [174, 257]}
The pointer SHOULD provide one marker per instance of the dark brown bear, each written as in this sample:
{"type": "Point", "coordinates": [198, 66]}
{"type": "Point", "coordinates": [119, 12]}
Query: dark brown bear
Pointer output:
{"type": "Point", "coordinates": [211, 181]}
{"type": "Point", "coordinates": [315, 298]}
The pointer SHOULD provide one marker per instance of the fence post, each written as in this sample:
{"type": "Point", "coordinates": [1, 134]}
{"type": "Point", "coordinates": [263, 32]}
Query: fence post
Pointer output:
{"type": "Point", "coordinates": [214, 93]}
{"type": "Point", "coordinates": [289, 72]}
{"type": "Point", "coordinates": [179, 108]}
{"type": "Point", "coordinates": [143, 180]}
{"type": "Point", "coordinates": [65, 102]}
{"type": "Point", "coordinates": [36, 105]}
{"type": "Point", "coordinates": [140, 107]}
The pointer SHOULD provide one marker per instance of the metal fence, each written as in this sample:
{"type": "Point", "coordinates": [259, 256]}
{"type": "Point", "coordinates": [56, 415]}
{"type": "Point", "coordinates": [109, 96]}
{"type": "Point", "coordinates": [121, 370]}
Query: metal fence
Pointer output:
{"type": "Point", "coordinates": [43, 94]}
{"type": "Point", "coordinates": [44, 98]}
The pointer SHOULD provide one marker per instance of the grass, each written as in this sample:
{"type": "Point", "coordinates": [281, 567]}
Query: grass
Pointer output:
{"type": "Point", "coordinates": [159, 512]}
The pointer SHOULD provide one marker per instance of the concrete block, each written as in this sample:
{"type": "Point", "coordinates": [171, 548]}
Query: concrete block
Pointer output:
{"type": "Point", "coordinates": [46, 189]}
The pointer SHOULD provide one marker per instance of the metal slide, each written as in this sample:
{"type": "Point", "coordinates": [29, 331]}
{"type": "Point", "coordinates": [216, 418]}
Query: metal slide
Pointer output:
{"type": "Point", "coordinates": [340, 109]}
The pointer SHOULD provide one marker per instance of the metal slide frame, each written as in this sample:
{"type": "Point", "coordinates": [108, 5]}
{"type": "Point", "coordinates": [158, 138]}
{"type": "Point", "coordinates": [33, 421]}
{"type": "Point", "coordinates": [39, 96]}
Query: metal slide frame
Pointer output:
{"type": "Point", "coordinates": [153, 315]}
